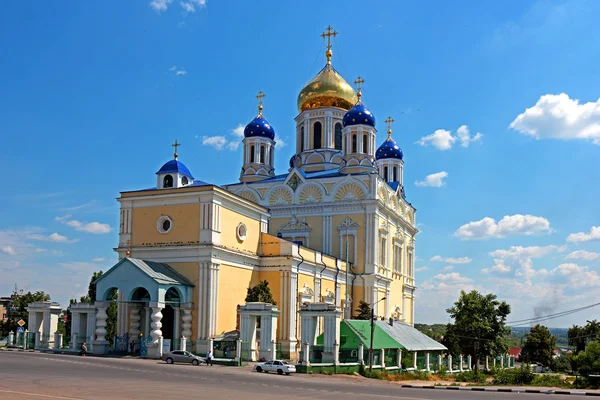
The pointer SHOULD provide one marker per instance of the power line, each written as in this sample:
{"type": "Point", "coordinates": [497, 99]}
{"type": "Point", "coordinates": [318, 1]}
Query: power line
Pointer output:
{"type": "Point", "coordinates": [552, 316]}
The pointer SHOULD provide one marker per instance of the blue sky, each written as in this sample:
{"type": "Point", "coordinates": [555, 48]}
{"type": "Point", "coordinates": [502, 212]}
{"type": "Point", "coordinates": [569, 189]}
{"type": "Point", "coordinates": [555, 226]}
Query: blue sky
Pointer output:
{"type": "Point", "coordinates": [496, 106]}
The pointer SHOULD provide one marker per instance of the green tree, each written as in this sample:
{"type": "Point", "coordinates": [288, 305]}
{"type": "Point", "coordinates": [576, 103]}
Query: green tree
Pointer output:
{"type": "Point", "coordinates": [587, 362]}
{"type": "Point", "coordinates": [577, 337]}
{"type": "Point", "coordinates": [479, 327]}
{"type": "Point", "coordinates": [539, 346]}
{"type": "Point", "coordinates": [18, 309]}
{"type": "Point", "coordinates": [363, 311]}
{"type": "Point", "coordinates": [260, 292]}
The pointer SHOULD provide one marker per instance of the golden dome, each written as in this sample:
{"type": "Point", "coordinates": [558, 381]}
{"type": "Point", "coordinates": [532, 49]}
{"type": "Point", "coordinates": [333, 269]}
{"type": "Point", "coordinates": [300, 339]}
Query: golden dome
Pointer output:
{"type": "Point", "coordinates": [327, 89]}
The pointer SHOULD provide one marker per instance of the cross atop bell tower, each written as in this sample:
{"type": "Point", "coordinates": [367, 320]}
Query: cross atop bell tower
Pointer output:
{"type": "Point", "coordinates": [175, 146]}
{"type": "Point", "coordinates": [328, 35]}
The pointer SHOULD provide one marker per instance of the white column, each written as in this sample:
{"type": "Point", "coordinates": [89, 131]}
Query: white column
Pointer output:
{"type": "Point", "coordinates": [74, 340]}
{"type": "Point", "coordinates": [361, 349]}
{"type": "Point", "coordinates": [46, 327]}
{"type": "Point", "coordinates": [450, 363]}
{"type": "Point", "coordinates": [427, 367]}
{"type": "Point", "coordinates": [469, 362]}
{"type": "Point", "coordinates": [33, 323]}
{"type": "Point", "coordinates": [306, 354]}
{"type": "Point", "coordinates": [183, 345]}
{"type": "Point", "coordinates": [439, 362]}
{"type": "Point", "coordinates": [382, 356]}
{"type": "Point", "coordinates": [156, 322]}
{"type": "Point", "coordinates": [101, 344]}
{"type": "Point", "coordinates": [487, 363]}
{"type": "Point", "coordinates": [186, 323]}
{"type": "Point", "coordinates": [91, 324]}
{"type": "Point", "coordinates": [268, 326]}
{"type": "Point", "coordinates": [134, 321]}
{"type": "Point", "coordinates": [238, 349]}
{"type": "Point", "coordinates": [11, 338]}
{"type": "Point", "coordinates": [37, 339]}
{"type": "Point", "coordinates": [273, 350]}
{"type": "Point", "coordinates": [177, 327]}
{"type": "Point", "coordinates": [58, 339]}
{"type": "Point", "coordinates": [336, 353]}
{"type": "Point", "coordinates": [501, 361]}
{"type": "Point", "coordinates": [415, 360]}
{"type": "Point", "coordinates": [461, 363]}
{"type": "Point", "coordinates": [399, 359]}
{"type": "Point", "coordinates": [248, 333]}
{"type": "Point", "coordinates": [146, 329]}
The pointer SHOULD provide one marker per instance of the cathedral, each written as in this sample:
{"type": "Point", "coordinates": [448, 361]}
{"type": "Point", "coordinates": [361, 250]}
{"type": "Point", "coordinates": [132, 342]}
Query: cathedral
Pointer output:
{"type": "Point", "coordinates": [334, 228]}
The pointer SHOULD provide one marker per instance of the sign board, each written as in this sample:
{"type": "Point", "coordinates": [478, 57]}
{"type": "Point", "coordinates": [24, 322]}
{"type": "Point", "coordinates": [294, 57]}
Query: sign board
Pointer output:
{"type": "Point", "coordinates": [20, 329]}
{"type": "Point", "coordinates": [166, 346]}
{"type": "Point", "coordinates": [21, 322]}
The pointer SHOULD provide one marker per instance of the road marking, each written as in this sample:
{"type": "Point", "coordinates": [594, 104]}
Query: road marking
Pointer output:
{"type": "Point", "coordinates": [40, 395]}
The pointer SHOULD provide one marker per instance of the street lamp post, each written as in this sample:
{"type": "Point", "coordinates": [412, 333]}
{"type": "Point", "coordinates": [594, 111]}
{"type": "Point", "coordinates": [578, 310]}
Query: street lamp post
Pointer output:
{"type": "Point", "coordinates": [372, 333]}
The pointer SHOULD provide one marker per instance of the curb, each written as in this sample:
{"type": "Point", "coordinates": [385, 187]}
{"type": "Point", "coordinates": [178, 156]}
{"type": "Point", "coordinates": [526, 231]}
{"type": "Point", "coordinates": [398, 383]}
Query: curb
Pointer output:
{"type": "Point", "coordinates": [505, 390]}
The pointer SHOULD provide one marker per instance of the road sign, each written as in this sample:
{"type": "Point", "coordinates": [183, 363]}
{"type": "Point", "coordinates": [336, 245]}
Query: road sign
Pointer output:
{"type": "Point", "coordinates": [20, 329]}
{"type": "Point", "coordinates": [21, 322]}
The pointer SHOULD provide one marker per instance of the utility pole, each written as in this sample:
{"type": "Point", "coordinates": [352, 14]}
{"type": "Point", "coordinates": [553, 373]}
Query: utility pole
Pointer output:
{"type": "Point", "coordinates": [372, 333]}
{"type": "Point", "coordinates": [347, 316]}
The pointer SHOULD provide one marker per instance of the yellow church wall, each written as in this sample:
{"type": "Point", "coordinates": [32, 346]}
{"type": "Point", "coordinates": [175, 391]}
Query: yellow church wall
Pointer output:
{"type": "Point", "coordinates": [233, 285]}
{"type": "Point", "coordinates": [308, 254]}
{"type": "Point", "coordinates": [360, 239]}
{"type": "Point", "coordinates": [329, 186]}
{"type": "Point", "coordinates": [229, 223]}
{"type": "Point", "coordinates": [185, 226]}
{"type": "Point", "coordinates": [316, 233]}
{"type": "Point", "coordinates": [275, 223]}
{"type": "Point", "coordinates": [262, 192]}
{"type": "Point", "coordinates": [274, 279]}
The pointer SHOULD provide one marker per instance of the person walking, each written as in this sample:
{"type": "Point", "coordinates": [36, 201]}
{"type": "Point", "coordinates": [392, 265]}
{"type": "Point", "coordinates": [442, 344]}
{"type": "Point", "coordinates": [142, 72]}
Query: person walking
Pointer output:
{"type": "Point", "coordinates": [83, 351]}
{"type": "Point", "coordinates": [209, 358]}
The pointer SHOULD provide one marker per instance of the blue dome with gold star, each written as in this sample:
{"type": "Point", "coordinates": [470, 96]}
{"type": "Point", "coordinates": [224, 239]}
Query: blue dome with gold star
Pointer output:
{"type": "Point", "coordinates": [359, 115]}
{"type": "Point", "coordinates": [389, 149]}
{"type": "Point", "coordinates": [259, 127]}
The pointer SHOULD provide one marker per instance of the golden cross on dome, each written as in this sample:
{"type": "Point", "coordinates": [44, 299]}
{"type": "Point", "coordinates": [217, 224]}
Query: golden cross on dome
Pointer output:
{"type": "Point", "coordinates": [358, 82]}
{"type": "Point", "coordinates": [328, 35]}
{"type": "Point", "coordinates": [389, 121]}
{"type": "Point", "coordinates": [175, 145]}
{"type": "Point", "coordinates": [260, 96]}
{"type": "Point", "coordinates": [128, 251]}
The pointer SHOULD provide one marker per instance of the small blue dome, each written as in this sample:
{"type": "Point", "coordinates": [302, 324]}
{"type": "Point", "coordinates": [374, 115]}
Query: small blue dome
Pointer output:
{"type": "Point", "coordinates": [359, 115]}
{"type": "Point", "coordinates": [259, 127]}
{"type": "Point", "coordinates": [175, 166]}
{"type": "Point", "coordinates": [389, 149]}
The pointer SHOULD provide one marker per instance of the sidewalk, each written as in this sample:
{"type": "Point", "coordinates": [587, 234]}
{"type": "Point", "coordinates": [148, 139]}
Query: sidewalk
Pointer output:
{"type": "Point", "coordinates": [510, 389]}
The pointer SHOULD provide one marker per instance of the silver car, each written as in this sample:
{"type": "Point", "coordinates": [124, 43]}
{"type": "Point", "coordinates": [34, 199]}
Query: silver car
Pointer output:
{"type": "Point", "coordinates": [180, 356]}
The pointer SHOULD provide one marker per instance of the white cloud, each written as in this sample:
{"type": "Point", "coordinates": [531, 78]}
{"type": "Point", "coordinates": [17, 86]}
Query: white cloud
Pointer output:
{"type": "Point", "coordinates": [96, 228]}
{"type": "Point", "coordinates": [448, 268]}
{"type": "Point", "coordinates": [520, 252]}
{"type": "Point", "coordinates": [422, 269]}
{"type": "Point", "coordinates": [583, 255]}
{"type": "Point", "coordinates": [575, 276]}
{"type": "Point", "coordinates": [433, 180]}
{"type": "Point", "coordinates": [452, 260]}
{"type": "Point", "coordinates": [560, 117]}
{"type": "Point", "coordinates": [509, 225]}
{"type": "Point", "coordinates": [160, 5]}
{"type": "Point", "coordinates": [452, 278]}
{"type": "Point", "coordinates": [190, 6]}
{"type": "Point", "coordinates": [441, 139]}
{"type": "Point", "coordinates": [279, 142]}
{"type": "Point", "coordinates": [54, 237]}
{"type": "Point", "coordinates": [8, 250]}
{"type": "Point", "coordinates": [238, 131]}
{"type": "Point", "coordinates": [582, 237]}
{"type": "Point", "coordinates": [99, 259]}
{"type": "Point", "coordinates": [220, 142]}
{"type": "Point", "coordinates": [499, 267]}
{"type": "Point", "coordinates": [177, 71]}
{"type": "Point", "coordinates": [465, 138]}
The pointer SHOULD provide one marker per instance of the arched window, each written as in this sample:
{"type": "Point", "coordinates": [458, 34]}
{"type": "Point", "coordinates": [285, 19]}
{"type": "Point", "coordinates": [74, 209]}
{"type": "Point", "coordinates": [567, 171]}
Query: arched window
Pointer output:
{"type": "Point", "coordinates": [317, 135]}
{"type": "Point", "coordinates": [385, 172]}
{"type": "Point", "coordinates": [365, 141]}
{"type": "Point", "coordinates": [354, 142]}
{"type": "Point", "coordinates": [338, 136]}
{"type": "Point", "coordinates": [271, 156]}
{"type": "Point", "coordinates": [252, 153]}
{"type": "Point", "coordinates": [184, 181]}
{"type": "Point", "coordinates": [168, 181]}
{"type": "Point", "coordinates": [301, 138]}
{"type": "Point", "coordinates": [395, 174]}
{"type": "Point", "coordinates": [262, 154]}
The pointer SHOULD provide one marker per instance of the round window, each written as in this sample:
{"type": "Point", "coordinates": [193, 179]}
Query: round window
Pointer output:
{"type": "Point", "coordinates": [166, 225]}
{"type": "Point", "coordinates": [184, 180]}
{"type": "Point", "coordinates": [241, 232]}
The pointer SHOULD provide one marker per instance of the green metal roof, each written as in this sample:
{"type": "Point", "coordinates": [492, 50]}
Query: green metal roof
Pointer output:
{"type": "Point", "coordinates": [362, 331]}
{"type": "Point", "coordinates": [161, 273]}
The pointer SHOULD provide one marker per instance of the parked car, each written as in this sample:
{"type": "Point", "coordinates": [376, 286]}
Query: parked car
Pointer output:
{"type": "Point", "coordinates": [281, 367]}
{"type": "Point", "coordinates": [182, 357]}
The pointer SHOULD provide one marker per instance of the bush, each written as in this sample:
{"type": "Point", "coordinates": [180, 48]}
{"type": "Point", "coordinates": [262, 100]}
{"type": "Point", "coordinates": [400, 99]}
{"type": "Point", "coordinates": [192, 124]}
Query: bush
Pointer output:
{"type": "Point", "coordinates": [471, 376]}
{"type": "Point", "coordinates": [549, 380]}
{"type": "Point", "coordinates": [518, 376]}
{"type": "Point", "coordinates": [443, 372]}
{"type": "Point", "coordinates": [561, 364]}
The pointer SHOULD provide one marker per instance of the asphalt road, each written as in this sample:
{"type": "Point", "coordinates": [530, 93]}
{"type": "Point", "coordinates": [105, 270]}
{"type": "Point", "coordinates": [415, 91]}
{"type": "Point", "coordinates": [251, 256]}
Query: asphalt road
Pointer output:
{"type": "Point", "coordinates": [48, 376]}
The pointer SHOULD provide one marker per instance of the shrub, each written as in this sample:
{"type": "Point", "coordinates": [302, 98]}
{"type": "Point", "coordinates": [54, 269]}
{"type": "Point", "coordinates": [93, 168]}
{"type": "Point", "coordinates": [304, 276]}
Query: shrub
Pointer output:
{"type": "Point", "coordinates": [518, 376]}
{"type": "Point", "coordinates": [549, 380]}
{"type": "Point", "coordinates": [443, 372]}
{"type": "Point", "coordinates": [421, 375]}
{"type": "Point", "coordinates": [471, 376]}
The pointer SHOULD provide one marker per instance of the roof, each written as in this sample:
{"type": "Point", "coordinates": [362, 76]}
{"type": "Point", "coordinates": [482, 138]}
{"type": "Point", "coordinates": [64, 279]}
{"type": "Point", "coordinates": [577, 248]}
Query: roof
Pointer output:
{"type": "Point", "coordinates": [394, 185]}
{"type": "Point", "coordinates": [196, 183]}
{"type": "Point", "coordinates": [160, 272]}
{"type": "Point", "coordinates": [409, 337]}
{"type": "Point", "coordinates": [514, 351]}
{"type": "Point", "coordinates": [175, 166]}
{"type": "Point", "coordinates": [362, 329]}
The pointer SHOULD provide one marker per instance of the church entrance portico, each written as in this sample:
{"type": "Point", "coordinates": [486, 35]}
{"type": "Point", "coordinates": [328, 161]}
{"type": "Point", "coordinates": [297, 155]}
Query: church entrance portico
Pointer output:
{"type": "Point", "coordinates": [150, 298]}
{"type": "Point", "coordinates": [268, 314]}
